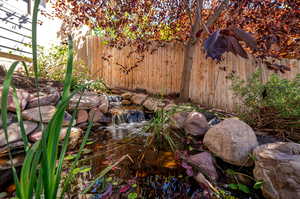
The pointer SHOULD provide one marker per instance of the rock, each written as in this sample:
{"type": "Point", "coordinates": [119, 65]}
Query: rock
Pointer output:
{"type": "Point", "coordinates": [97, 116]}
{"type": "Point", "coordinates": [138, 98]}
{"type": "Point", "coordinates": [5, 163]}
{"type": "Point", "coordinates": [82, 116]}
{"type": "Point", "coordinates": [14, 133]}
{"type": "Point", "coordinates": [177, 120]}
{"type": "Point", "coordinates": [15, 145]}
{"type": "Point", "coordinates": [10, 118]}
{"type": "Point", "coordinates": [74, 136]}
{"type": "Point", "coordinates": [169, 107]}
{"type": "Point", "coordinates": [195, 124]}
{"type": "Point", "coordinates": [205, 162]}
{"type": "Point", "coordinates": [265, 138]}
{"type": "Point", "coordinates": [22, 95]}
{"type": "Point", "coordinates": [126, 102]}
{"type": "Point", "coordinates": [153, 104]}
{"type": "Point", "coordinates": [87, 101]}
{"type": "Point", "coordinates": [47, 113]}
{"type": "Point", "coordinates": [51, 99]}
{"type": "Point", "coordinates": [232, 140]}
{"type": "Point", "coordinates": [278, 166]}
{"type": "Point", "coordinates": [126, 96]}
{"type": "Point", "coordinates": [104, 104]}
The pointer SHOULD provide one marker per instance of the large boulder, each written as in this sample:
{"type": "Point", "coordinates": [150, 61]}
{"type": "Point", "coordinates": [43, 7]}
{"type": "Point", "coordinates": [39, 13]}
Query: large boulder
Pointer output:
{"type": "Point", "coordinates": [177, 120]}
{"type": "Point", "coordinates": [205, 162]}
{"type": "Point", "coordinates": [232, 140]}
{"type": "Point", "coordinates": [278, 166]}
{"type": "Point", "coordinates": [14, 133]}
{"type": "Point", "coordinates": [22, 95]}
{"type": "Point", "coordinates": [87, 101]}
{"type": "Point", "coordinates": [195, 124]}
{"type": "Point", "coordinates": [47, 112]}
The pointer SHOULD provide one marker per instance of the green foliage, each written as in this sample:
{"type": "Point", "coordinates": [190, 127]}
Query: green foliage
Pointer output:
{"type": "Point", "coordinates": [274, 104]}
{"type": "Point", "coordinates": [161, 133]}
{"type": "Point", "coordinates": [42, 167]}
{"type": "Point", "coordinates": [52, 66]}
{"type": "Point", "coordinates": [240, 187]}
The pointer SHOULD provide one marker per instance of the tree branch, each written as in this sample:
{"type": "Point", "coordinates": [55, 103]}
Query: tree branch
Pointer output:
{"type": "Point", "coordinates": [211, 20]}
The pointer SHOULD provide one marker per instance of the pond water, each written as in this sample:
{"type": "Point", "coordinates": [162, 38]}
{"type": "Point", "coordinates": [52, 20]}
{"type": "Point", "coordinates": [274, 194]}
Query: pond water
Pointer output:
{"type": "Point", "coordinates": [141, 170]}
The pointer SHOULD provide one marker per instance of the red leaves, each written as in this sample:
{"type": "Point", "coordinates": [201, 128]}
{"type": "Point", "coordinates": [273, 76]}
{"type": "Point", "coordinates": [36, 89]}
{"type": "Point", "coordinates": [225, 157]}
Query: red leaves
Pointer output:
{"type": "Point", "coordinates": [131, 22]}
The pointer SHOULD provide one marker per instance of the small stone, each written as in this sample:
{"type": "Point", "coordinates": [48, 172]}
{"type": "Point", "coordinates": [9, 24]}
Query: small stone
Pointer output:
{"type": "Point", "coordinates": [23, 97]}
{"type": "Point", "coordinates": [195, 124]}
{"type": "Point", "coordinates": [87, 101]}
{"type": "Point", "coordinates": [205, 162]}
{"type": "Point", "coordinates": [127, 96]}
{"type": "Point", "coordinates": [97, 116]}
{"type": "Point", "coordinates": [15, 145]}
{"type": "Point", "coordinates": [82, 116]}
{"type": "Point", "coordinates": [5, 163]}
{"type": "Point", "coordinates": [47, 100]}
{"type": "Point", "coordinates": [74, 136]}
{"type": "Point", "coordinates": [138, 98]}
{"type": "Point", "coordinates": [278, 166]}
{"type": "Point", "coordinates": [47, 113]}
{"type": "Point", "coordinates": [153, 104]}
{"type": "Point", "coordinates": [14, 133]}
{"type": "Point", "coordinates": [232, 140]}
{"type": "Point", "coordinates": [125, 102]}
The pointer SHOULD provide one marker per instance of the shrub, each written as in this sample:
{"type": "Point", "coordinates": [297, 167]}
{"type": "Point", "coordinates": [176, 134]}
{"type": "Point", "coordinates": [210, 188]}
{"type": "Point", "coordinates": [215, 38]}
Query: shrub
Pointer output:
{"type": "Point", "coordinates": [273, 105]}
{"type": "Point", "coordinates": [52, 66]}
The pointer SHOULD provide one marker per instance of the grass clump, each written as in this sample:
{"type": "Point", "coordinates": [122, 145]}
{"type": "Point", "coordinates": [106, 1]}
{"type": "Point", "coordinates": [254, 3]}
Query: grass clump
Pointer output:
{"type": "Point", "coordinates": [273, 105]}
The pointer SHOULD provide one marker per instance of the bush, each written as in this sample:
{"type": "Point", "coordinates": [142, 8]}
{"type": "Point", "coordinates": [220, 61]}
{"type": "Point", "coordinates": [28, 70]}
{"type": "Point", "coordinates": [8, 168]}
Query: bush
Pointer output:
{"type": "Point", "coordinates": [52, 66]}
{"type": "Point", "coordinates": [274, 105]}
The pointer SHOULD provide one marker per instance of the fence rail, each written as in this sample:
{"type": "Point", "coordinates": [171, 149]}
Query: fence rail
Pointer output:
{"type": "Point", "coordinates": [160, 72]}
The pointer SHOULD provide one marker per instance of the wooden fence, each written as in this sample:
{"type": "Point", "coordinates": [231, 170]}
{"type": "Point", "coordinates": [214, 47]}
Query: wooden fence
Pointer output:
{"type": "Point", "coordinates": [160, 72]}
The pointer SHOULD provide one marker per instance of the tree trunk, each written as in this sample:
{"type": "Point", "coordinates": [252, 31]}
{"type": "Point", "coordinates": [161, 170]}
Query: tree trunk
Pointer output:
{"type": "Point", "coordinates": [189, 54]}
{"type": "Point", "coordinates": [190, 47]}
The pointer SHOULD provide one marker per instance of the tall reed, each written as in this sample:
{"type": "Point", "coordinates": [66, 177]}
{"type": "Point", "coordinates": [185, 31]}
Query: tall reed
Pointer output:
{"type": "Point", "coordinates": [42, 168]}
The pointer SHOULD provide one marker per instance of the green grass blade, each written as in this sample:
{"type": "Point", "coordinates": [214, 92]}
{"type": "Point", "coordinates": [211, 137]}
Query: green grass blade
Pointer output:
{"type": "Point", "coordinates": [65, 145]}
{"type": "Point", "coordinates": [26, 174]}
{"type": "Point", "coordinates": [4, 110]}
{"type": "Point", "coordinates": [68, 77]}
{"type": "Point", "coordinates": [34, 38]}
{"type": "Point", "coordinates": [103, 173]}
{"type": "Point", "coordinates": [26, 68]}
{"type": "Point", "coordinates": [5, 92]}
{"type": "Point", "coordinates": [39, 186]}
{"type": "Point", "coordinates": [20, 120]}
{"type": "Point", "coordinates": [74, 164]}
